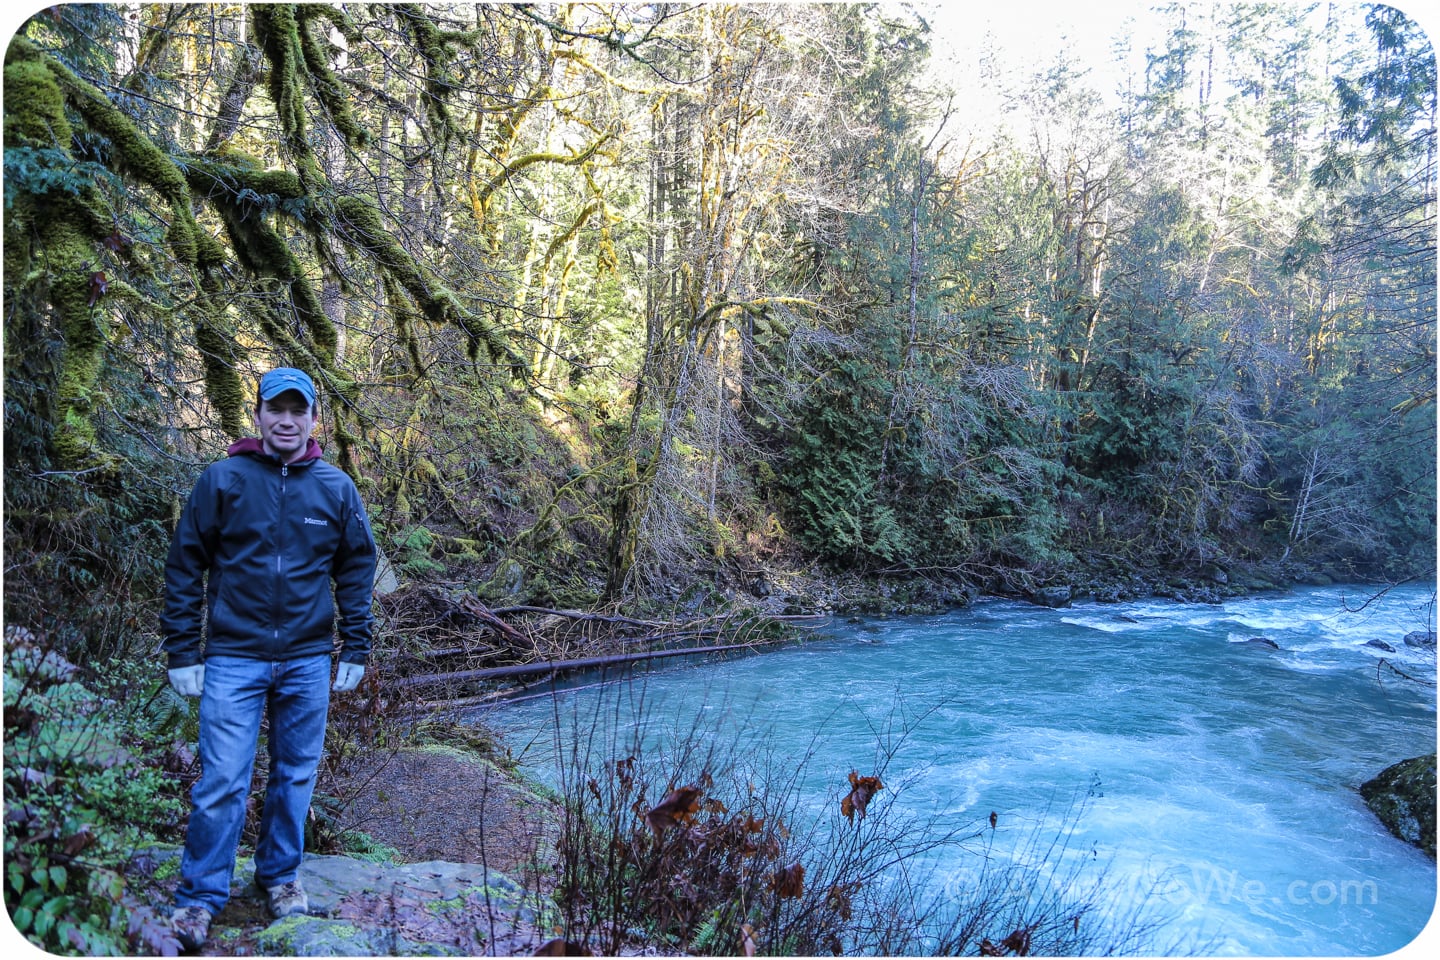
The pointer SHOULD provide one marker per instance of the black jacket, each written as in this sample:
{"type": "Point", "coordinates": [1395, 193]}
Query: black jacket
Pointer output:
{"type": "Point", "coordinates": [272, 537]}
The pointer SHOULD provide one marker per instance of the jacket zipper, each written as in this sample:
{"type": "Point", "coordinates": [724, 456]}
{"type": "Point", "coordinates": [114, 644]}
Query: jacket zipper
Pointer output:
{"type": "Point", "coordinates": [280, 558]}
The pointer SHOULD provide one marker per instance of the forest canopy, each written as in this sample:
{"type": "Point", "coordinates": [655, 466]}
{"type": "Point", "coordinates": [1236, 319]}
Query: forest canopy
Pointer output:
{"type": "Point", "coordinates": [631, 298]}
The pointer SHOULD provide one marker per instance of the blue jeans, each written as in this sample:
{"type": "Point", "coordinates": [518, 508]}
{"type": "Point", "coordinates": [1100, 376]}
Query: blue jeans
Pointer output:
{"type": "Point", "coordinates": [238, 691]}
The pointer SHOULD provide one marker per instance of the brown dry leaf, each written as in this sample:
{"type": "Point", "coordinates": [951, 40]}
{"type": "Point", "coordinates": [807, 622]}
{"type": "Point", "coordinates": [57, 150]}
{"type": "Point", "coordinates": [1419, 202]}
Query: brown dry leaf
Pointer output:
{"type": "Point", "coordinates": [679, 806]}
{"type": "Point", "coordinates": [789, 881]}
{"type": "Point", "coordinates": [839, 900]}
{"type": "Point", "coordinates": [988, 949]}
{"type": "Point", "coordinates": [560, 947]}
{"type": "Point", "coordinates": [1018, 942]}
{"type": "Point", "coordinates": [81, 839]}
{"type": "Point", "coordinates": [625, 772]}
{"type": "Point", "coordinates": [861, 790]}
{"type": "Point", "coordinates": [747, 939]}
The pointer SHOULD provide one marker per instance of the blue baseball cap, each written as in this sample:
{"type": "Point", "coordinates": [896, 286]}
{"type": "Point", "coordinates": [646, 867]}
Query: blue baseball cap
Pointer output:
{"type": "Point", "coordinates": [280, 379]}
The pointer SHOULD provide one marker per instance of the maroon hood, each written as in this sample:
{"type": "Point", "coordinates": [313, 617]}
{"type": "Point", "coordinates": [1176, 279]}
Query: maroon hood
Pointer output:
{"type": "Point", "coordinates": [252, 445]}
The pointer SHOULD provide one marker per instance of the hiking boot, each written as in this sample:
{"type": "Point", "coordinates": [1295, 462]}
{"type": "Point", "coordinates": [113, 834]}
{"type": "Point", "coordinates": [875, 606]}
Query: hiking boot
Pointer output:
{"type": "Point", "coordinates": [287, 899]}
{"type": "Point", "coordinates": [191, 926]}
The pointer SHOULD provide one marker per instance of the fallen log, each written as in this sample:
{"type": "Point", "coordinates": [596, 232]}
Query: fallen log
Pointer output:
{"type": "Point", "coordinates": [556, 666]}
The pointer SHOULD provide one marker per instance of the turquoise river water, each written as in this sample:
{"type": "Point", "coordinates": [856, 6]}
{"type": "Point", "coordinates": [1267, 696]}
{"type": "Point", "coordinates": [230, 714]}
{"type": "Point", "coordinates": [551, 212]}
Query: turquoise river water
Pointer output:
{"type": "Point", "coordinates": [1219, 775]}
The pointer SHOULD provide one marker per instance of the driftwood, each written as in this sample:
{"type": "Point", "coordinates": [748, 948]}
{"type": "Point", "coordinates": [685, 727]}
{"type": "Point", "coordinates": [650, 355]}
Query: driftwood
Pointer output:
{"type": "Point", "coordinates": [556, 666]}
{"type": "Point", "coordinates": [474, 607]}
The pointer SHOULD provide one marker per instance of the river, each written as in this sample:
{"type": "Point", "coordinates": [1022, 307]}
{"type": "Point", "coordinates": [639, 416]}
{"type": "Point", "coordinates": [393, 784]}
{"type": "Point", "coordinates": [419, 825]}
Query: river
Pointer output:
{"type": "Point", "coordinates": [1208, 772]}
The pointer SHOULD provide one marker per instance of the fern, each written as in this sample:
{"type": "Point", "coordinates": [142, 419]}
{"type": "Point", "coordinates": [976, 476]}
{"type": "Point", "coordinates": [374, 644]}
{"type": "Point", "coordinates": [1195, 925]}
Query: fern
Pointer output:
{"type": "Point", "coordinates": [707, 934]}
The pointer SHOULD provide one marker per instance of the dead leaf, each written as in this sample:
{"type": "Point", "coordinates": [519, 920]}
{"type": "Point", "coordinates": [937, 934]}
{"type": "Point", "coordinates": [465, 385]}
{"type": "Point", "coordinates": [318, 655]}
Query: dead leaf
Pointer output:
{"type": "Point", "coordinates": [789, 881]}
{"type": "Point", "coordinates": [1018, 942]}
{"type": "Point", "coordinates": [98, 287]}
{"type": "Point", "coordinates": [861, 790]}
{"type": "Point", "coordinates": [747, 939]}
{"type": "Point", "coordinates": [560, 947]}
{"type": "Point", "coordinates": [81, 839]}
{"type": "Point", "coordinates": [625, 773]}
{"type": "Point", "coordinates": [679, 806]}
{"type": "Point", "coordinates": [839, 900]}
{"type": "Point", "coordinates": [993, 817]}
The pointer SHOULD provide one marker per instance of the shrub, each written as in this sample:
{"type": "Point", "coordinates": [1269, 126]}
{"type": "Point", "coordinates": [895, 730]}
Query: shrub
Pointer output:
{"type": "Point", "coordinates": [79, 800]}
{"type": "Point", "coordinates": [690, 841]}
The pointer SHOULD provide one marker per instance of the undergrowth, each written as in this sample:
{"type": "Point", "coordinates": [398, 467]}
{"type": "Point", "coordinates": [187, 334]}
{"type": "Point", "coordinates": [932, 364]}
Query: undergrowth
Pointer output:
{"type": "Point", "coordinates": [86, 784]}
{"type": "Point", "coordinates": [697, 838]}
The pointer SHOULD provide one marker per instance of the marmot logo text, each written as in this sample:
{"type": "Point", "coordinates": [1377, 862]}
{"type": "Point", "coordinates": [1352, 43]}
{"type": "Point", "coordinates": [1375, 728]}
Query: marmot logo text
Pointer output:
{"type": "Point", "coordinates": [318, 523]}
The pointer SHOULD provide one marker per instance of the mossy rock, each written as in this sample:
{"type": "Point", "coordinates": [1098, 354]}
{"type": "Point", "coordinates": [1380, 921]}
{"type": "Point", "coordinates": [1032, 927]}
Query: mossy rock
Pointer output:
{"type": "Point", "coordinates": [304, 936]}
{"type": "Point", "coordinates": [1403, 797]}
{"type": "Point", "coordinates": [507, 582]}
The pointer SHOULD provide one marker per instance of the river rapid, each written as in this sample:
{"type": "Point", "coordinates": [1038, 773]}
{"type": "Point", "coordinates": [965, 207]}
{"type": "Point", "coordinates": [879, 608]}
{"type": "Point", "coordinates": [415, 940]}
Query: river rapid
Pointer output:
{"type": "Point", "coordinates": [1200, 769]}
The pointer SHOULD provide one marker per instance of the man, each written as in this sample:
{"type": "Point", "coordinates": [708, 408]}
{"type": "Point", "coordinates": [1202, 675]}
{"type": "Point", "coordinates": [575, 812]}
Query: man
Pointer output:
{"type": "Point", "coordinates": [267, 534]}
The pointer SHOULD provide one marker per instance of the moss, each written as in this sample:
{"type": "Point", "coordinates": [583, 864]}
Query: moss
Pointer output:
{"type": "Point", "coordinates": [70, 254]}
{"type": "Point", "coordinates": [263, 251]}
{"type": "Point", "coordinates": [225, 179]}
{"type": "Point", "coordinates": [226, 394]}
{"type": "Point", "coordinates": [277, 32]}
{"type": "Point", "coordinates": [70, 228]}
{"type": "Point", "coordinates": [323, 80]}
{"type": "Point", "coordinates": [209, 252]}
{"type": "Point", "coordinates": [137, 155]}
{"type": "Point", "coordinates": [360, 223]}
{"type": "Point", "coordinates": [435, 48]}
{"type": "Point", "coordinates": [1402, 796]}
{"type": "Point", "coordinates": [345, 446]}
{"type": "Point", "coordinates": [34, 102]}
{"type": "Point", "coordinates": [34, 116]}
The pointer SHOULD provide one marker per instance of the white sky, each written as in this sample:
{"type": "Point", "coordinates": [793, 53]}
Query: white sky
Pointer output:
{"type": "Point", "coordinates": [1035, 28]}
{"type": "Point", "coordinates": [1027, 35]}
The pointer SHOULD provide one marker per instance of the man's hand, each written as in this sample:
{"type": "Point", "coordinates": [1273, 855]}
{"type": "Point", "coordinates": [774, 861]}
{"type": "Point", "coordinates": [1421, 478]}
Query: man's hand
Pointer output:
{"type": "Point", "coordinates": [347, 676]}
{"type": "Point", "coordinates": [188, 681]}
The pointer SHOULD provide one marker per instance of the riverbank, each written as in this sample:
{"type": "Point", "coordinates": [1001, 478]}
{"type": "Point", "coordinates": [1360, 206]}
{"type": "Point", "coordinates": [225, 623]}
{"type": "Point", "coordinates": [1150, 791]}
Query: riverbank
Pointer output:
{"type": "Point", "coordinates": [797, 591]}
{"type": "Point", "coordinates": [463, 855]}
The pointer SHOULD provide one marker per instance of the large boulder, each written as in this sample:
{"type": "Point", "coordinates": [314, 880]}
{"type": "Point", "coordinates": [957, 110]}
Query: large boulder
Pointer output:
{"type": "Point", "coordinates": [386, 579]}
{"type": "Point", "coordinates": [1055, 597]}
{"type": "Point", "coordinates": [1422, 639]}
{"type": "Point", "coordinates": [507, 581]}
{"type": "Point", "coordinates": [1403, 797]}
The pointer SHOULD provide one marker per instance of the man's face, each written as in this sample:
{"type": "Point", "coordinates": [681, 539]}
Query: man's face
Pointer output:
{"type": "Point", "coordinates": [285, 422]}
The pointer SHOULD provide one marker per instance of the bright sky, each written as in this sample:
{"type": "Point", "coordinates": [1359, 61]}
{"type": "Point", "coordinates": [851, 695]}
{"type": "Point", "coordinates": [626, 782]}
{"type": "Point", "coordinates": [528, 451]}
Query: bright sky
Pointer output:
{"type": "Point", "coordinates": [1036, 27]}
{"type": "Point", "coordinates": [1026, 35]}
{"type": "Point", "coordinates": [1021, 37]}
